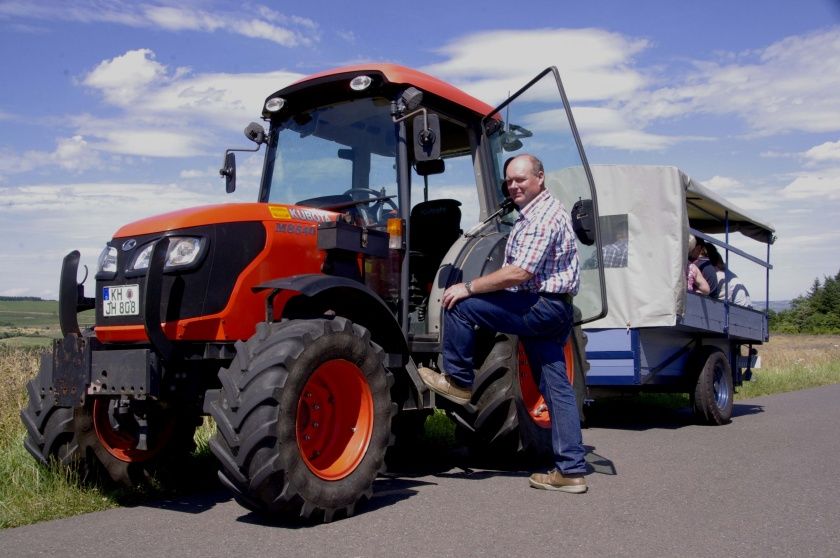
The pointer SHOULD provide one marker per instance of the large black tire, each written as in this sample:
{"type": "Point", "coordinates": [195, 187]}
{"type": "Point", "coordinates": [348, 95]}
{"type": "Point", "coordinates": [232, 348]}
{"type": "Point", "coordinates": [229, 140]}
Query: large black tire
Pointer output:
{"type": "Point", "coordinates": [713, 397]}
{"type": "Point", "coordinates": [304, 419]}
{"type": "Point", "coordinates": [503, 419]}
{"type": "Point", "coordinates": [49, 428]}
{"type": "Point", "coordinates": [91, 441]}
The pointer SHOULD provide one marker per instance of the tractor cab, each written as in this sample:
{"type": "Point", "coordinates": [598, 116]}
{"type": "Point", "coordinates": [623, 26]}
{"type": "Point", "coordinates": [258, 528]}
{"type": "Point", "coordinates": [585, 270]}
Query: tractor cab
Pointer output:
{"type": "Point", "coordinates": [397, 152]}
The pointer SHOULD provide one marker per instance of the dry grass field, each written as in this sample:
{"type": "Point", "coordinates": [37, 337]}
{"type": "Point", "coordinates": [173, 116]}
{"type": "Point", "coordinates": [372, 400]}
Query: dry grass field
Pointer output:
{"type": "Point", "coordinates": [793, 362]}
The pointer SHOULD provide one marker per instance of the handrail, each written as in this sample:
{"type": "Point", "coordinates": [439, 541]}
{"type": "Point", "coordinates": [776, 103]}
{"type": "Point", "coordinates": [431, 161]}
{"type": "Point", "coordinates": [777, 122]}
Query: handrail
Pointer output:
{"type": "Point", "coordinates": [730, 248]}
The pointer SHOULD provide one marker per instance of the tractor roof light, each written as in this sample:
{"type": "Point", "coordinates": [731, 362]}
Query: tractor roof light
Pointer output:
{"type": "Point", "coordinates": [275, 104]}
{"type": "Point", "coordinates": [360, 83]}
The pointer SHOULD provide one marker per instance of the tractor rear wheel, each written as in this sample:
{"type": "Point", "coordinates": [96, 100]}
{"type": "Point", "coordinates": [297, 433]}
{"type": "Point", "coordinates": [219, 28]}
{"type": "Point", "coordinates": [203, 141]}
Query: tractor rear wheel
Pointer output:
{"type": "Point", "coordinates": [508, 416]}
{"type": "Point", "coordinates": [304, 419]}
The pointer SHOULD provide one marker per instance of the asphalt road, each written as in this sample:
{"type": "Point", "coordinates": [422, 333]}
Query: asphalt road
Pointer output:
{"type": "Point", "coordinates": [764, 485]}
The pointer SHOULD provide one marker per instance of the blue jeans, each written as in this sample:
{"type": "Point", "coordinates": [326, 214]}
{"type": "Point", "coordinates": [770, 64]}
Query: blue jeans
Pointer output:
{"type": "Point", "coordinates": [542, 324]}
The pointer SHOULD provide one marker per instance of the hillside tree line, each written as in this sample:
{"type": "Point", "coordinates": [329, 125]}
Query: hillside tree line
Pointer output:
{"type": "Point", "coordinates": [816, 312]}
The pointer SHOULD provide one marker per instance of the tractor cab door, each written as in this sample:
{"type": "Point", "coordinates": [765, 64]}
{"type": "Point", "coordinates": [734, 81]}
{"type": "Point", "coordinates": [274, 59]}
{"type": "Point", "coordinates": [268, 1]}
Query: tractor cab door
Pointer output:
{"type": "Point", "coordinates": [537, 119]}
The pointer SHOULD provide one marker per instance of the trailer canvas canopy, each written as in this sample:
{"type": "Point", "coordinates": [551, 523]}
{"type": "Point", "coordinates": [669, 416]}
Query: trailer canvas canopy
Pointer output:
{"type": "Point", "coordinates": [645, 215]}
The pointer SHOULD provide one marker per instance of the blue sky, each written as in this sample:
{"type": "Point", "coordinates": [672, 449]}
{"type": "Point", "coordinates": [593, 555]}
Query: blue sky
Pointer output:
{"type": "Point", "coordinates": [113, 110]}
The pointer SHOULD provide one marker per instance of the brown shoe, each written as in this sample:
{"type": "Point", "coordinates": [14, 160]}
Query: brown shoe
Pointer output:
{"type": "Point", "coordinates": [443, 385]}
{"type": "Point", "coordinates": [555, 480]}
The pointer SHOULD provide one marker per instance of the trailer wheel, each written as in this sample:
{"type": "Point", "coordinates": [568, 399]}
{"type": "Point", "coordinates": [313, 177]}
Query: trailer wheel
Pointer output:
{"type": "Point", "coordinates": [99, 440]}
{"type": "Point", "coordinates": [303, 419]}
{"type": "Point", "coordinates": [713, 397]}
{"type": "Point", "coordinates": [508, 417]}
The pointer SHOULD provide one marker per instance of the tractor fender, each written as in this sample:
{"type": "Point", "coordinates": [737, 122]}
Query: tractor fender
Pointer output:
{"type": "Point", "coordinates": [470, 257]}
{"type": "Point", "coordinates": [323, 294]}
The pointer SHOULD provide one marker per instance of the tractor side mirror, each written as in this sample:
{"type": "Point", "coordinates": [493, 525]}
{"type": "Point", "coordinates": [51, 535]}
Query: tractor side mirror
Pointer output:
{"type": "Point", "coordinates": [426, 136]}
{"type": "Point", "coordinates": [427, 168]}
{"type": "Point", "coordinates": [228, 170]}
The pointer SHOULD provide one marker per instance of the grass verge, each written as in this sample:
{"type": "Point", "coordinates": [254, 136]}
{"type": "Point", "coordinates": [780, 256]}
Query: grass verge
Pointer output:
{"type": "Point", "coordinates": [794, 362]}
{"type": "Point", "coordinates": [29, 492]}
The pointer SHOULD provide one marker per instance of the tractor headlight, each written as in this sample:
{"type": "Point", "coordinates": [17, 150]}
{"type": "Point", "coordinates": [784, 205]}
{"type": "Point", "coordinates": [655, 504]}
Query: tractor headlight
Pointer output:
{"type": "Point", "coordinates": [141, 260]}
{"type": "Point", "coordinates": [107, 263]}
{"type": "Point", "coordinates": [183, 252]}
{"type": "Point", "coordinates": [360, 83]}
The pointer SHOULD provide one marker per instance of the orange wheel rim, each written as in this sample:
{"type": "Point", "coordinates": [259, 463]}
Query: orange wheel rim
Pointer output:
{"type": "Point", "coordinates": [334, 419]}
{"type": "Point", "coordinates": [532, 399]}
{"type": "Point", "coordinates": [121, 442]}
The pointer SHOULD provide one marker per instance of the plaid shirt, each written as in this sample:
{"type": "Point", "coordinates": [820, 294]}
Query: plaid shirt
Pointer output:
{"type": "Point", "coordinates": [542, 243]}
{"type": "Point", "coordinates": [615, 254]}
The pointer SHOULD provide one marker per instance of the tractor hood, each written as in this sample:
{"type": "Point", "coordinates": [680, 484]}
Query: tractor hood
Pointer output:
{"type": "Point", "coordinates": [223, 213]}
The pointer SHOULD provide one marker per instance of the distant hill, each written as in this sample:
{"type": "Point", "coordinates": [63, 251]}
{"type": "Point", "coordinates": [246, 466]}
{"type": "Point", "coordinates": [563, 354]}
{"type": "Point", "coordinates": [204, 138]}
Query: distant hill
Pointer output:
{"type": "Point", "coordinates": [779, 305]}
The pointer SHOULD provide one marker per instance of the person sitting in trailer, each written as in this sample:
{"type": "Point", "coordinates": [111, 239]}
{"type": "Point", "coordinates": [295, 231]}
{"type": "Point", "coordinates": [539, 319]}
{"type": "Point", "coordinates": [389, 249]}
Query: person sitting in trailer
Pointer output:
{"type": "Point", "coordinates": [694, 280]}
{"type": "Point", "coordinates": [731, 287]}
{"type": "Point", "coordinates": [698, 256]}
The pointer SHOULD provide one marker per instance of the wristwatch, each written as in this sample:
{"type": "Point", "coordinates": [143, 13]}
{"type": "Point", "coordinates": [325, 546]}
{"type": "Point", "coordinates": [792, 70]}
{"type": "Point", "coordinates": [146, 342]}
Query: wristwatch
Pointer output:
{"type": "Point", "coordinates": [468, 286]}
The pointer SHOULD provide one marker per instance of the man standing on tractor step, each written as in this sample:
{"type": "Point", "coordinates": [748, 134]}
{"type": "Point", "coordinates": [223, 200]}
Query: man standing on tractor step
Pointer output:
{"type": "Point", "coordinates": [529, 296]}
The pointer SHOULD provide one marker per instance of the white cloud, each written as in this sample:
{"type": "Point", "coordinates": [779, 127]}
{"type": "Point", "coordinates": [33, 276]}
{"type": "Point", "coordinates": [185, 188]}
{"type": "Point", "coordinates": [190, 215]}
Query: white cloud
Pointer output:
{"type": "Point", "coordinates": [828, 151]}
{"type": "Point", "coordinates": [596, 67]}
{"type": "Point", "coordinates": [608, 127]}
{"type": "Point", "coordinates": [267, 24]}
{"type": "Point", "coordinates": [722, 183]}
{"type": "Point", "coordinates": [151, 92]}
{"type": "Point", "coordinates": [177, 19]}
{"type": "Point", "coordinates": [151, 143]}
{"type": "Point", "coordinates": [125, 78]}
{"type": "Point", "coordinates": [196, 173]}
{"type": "Point", "coordinates": [594, 64]}
{"type": "Point", "coordinates": [789, 86]}
{"type": "Point", "coordinates": [72, 154]}
{"type": "Point", "coordinates": [815, 186]}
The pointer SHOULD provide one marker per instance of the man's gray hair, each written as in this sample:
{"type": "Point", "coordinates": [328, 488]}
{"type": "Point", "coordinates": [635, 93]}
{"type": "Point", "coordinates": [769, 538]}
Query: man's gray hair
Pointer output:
{"type": "Point", "coordinates": [536, 164]}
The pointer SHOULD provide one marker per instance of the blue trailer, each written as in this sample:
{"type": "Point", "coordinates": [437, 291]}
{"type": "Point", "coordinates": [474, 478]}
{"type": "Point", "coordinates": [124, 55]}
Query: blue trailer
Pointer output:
{"type": "Point", "coordinates": [656, 335]}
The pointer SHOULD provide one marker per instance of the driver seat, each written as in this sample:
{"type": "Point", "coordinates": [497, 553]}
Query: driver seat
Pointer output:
{"type": "Point", "coordinates": [435, 226]}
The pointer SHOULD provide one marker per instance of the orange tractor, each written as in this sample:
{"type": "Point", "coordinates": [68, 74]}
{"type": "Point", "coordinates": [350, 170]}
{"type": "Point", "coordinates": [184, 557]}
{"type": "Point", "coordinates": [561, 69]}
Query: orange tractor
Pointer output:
{"type": "Point", "coordinates": [298, 322]}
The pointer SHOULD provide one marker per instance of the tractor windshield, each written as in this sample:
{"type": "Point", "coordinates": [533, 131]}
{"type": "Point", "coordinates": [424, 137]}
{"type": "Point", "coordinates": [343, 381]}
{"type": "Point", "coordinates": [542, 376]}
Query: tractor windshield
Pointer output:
{"type": "Point", "coordinates": [333, 156]}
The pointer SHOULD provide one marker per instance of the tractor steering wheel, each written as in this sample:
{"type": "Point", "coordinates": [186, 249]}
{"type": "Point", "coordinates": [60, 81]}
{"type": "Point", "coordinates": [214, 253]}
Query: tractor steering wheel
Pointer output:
{"type": "Point", "coordinates": [376, 203]}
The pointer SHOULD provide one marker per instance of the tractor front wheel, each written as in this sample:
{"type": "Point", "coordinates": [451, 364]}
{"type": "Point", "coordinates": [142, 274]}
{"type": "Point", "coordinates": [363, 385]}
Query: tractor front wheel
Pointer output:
{"type": "Point", "coordinates": [304, 418]}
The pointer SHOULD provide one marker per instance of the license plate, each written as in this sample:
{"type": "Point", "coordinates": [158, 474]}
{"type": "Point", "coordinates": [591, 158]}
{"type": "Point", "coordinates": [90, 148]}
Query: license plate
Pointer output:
{"type": "Point", "coordinates": [123, 300]}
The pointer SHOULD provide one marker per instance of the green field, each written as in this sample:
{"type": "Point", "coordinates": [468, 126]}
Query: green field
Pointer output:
{"type": "Point", "coordinates": [27, 323]}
